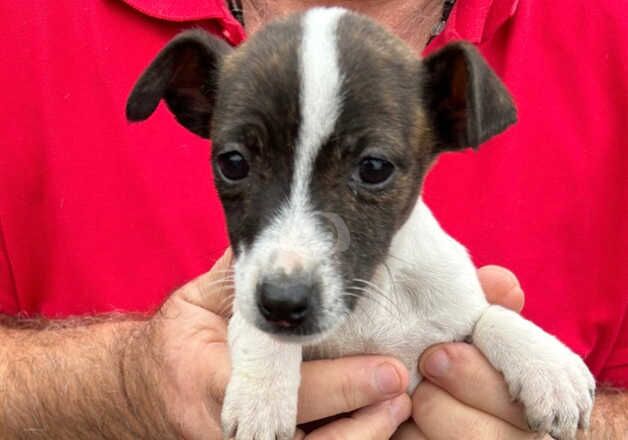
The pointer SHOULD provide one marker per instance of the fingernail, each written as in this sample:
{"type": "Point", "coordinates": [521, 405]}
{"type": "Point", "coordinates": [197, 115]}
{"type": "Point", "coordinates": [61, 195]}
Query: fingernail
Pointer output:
{"type": "Point", "coordinates": [399, 409]}
{"type": "Point", "coordinates": [387, 379]}
{"type": "Point", "coordinates": [437, 364]}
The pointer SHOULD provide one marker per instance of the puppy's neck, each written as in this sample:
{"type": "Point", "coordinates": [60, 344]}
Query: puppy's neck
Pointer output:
{"type": "Point", "coordinates": [423, 254]}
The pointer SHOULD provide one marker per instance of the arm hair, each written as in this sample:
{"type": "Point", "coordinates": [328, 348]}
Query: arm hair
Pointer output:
{"type": "Point", "coordinates": [94, 378]}
{"type": "Point", "coordinates": [609, 419]}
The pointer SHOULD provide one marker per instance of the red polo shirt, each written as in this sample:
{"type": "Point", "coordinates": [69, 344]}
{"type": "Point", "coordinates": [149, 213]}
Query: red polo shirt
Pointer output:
{"type": "Point", "coordinates": [99, 215]}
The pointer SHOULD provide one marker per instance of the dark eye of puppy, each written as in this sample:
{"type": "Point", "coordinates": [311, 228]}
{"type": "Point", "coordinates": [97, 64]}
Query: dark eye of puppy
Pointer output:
{"type": "Point", "coordinates": [374, 171]}
{"type": "Point", "coordinates": [233, 166]}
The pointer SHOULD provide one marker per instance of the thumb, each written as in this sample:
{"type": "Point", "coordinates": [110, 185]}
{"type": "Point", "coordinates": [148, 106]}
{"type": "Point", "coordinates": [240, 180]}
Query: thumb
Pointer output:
{"type": "Point", "coordinates": [213, 290]}
{"type": "Point", "coordinates": [501, 287]}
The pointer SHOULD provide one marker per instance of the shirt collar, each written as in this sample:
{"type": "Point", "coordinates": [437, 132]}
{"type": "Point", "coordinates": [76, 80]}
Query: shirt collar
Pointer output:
{"type": "Point", "coordinates": [475, 21]}
{"type": "Point", "coordinates": [472, 20]}
{"type": "Point", "coordinates": [193, 11]}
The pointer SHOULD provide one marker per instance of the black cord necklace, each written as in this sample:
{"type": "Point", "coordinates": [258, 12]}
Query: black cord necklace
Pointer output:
{"type": "Point", "coordinates": [440, 26]}
{"type": "Point", "coordinates": [235, 6]}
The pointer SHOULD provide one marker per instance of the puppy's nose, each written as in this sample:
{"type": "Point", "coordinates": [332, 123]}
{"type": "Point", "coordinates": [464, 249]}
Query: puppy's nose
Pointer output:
{"type": "Point", "coordinates": [285, 301]}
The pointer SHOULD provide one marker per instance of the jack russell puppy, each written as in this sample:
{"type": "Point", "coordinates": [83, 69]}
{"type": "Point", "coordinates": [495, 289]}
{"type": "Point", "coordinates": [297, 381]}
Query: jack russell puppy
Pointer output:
{"type": "Point", "coordinates": [323, 127]}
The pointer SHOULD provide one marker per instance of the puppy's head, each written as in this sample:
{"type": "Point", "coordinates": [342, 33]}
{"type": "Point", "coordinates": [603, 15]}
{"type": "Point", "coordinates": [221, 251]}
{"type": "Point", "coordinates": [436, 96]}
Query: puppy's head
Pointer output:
{"type": "Point", "coordinates": [323, 126]}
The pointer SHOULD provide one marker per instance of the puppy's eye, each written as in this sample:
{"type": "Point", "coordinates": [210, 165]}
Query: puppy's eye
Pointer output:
{"type": "Point", "coordinates": [233, 166]}
{"type": "Point", "coordinates": [374, 171]}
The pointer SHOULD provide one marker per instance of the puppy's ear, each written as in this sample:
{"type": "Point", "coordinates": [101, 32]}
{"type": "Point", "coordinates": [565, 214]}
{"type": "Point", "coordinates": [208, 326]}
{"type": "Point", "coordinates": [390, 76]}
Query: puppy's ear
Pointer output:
{"type": "Point", "coordinates": [464, 99]}
{"type": "Point", "coordinates": [184, 74]}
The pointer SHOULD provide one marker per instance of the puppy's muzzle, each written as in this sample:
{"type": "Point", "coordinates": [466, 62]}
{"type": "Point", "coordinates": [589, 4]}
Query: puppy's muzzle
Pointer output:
{"type": "Point", "coordinates": [288, 303]}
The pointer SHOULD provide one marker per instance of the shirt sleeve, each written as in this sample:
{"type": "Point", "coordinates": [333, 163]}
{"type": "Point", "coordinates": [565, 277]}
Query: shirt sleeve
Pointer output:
{"type": "Point", "coordinates": [615, 372]}
{"type": "Point", "coordinates": [8, 302]}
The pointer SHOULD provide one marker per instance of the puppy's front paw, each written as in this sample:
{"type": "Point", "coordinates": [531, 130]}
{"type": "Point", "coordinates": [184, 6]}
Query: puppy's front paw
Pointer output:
{"type": "Point", "coordinates": [557, 392]}
{"type": "Point", "coordinates": [553, 383]}
{"type": "Point", "coordinates": [255, 410]}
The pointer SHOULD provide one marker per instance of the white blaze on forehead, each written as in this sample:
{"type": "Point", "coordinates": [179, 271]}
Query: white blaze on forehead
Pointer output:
{"type": "Point", "coordinates": [320, 94]}
{"type": "Point", "coordinates": [294, 241]}
{"type": "Point", "coordinates": [299, 241]}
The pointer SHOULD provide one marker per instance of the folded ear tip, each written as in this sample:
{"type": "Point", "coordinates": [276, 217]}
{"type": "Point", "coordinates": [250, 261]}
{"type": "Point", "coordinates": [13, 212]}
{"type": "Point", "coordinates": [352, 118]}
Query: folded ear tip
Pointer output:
{"type": "Point", "coordinates": [500, 124]}
{"type": "Point", "coordinates": [510, 113]}
{"type": "Point", "coordinates": [139, 107]}
{"type": "Point", "coordinates": [135, 115]}
{"type": "Point", "coordinates": [132, 113]}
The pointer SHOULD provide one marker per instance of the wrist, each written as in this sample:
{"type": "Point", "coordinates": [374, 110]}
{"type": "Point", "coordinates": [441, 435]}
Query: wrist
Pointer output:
{"type": "Point", "coordinates": [143, 380]}
{"type": "Point", "coordinates": [187, 378]}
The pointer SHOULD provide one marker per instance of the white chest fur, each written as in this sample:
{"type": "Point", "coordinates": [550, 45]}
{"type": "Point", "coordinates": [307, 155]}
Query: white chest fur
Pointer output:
{"type": "Point", "coordinates": [426, 292]}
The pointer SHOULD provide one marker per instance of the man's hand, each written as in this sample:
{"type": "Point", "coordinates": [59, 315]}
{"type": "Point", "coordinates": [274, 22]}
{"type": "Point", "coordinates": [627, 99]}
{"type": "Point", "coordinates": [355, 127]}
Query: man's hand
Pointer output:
{"type": "Point", "coordinates": [189, 335]}
{"type": "Point", "coordinates": [195, 337]}
{"type": "Point", "coordinates": [462, 395]}
{"type": "Point", "coordinates": [129, 377]}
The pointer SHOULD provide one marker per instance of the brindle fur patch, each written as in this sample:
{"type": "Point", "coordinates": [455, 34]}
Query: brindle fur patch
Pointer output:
{"type": "Point", "coordinates": [258, 106]}
{"type": "Point", "coordinates": [381, 116]}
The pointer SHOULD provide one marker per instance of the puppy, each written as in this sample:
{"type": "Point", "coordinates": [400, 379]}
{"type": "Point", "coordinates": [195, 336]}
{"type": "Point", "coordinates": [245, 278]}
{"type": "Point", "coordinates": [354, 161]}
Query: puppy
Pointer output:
{"type": "Point", "coordinates": [323, 127]}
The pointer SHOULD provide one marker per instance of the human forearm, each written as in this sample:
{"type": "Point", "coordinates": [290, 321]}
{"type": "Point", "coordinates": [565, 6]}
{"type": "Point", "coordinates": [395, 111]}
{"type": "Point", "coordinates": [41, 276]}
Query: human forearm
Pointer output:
{"type": "Point", "coordinates": [609, 419]}
{"type": "Point", "coordinates": [79, 379]}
